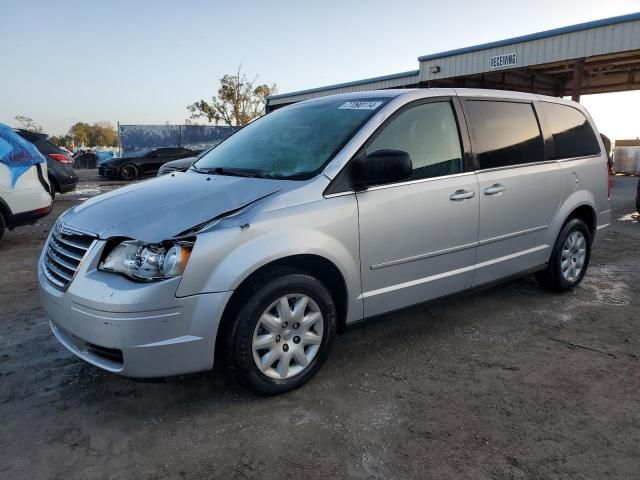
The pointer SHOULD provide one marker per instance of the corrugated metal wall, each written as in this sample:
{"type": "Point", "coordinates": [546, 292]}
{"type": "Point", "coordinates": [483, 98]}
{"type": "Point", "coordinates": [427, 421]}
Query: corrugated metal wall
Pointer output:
{"type": "Point", "coordinates": [399, 81]}
{"type": "Point", "coordinates": [626, 159]}
{"type": "Point", "coordinates": [586, 43]}
{"type": "Point", "coordinates": [138, 138]}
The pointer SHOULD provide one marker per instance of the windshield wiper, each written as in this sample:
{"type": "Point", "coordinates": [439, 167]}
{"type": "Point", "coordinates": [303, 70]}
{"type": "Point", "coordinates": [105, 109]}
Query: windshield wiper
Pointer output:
{"type": "Point", "coordinates": [233, 172]}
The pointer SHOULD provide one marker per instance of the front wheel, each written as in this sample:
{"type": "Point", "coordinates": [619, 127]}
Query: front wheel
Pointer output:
{"type": "Point", "coordinates": [129, 172]}
{"type": "Point", "coordinates": [569, 259]}
{"type": "Point", "coordinates": [282, 333]}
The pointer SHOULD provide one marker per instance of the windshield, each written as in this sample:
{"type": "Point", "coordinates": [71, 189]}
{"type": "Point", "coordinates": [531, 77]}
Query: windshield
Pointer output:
{"type": "Point", "coordinates": [295, 142]}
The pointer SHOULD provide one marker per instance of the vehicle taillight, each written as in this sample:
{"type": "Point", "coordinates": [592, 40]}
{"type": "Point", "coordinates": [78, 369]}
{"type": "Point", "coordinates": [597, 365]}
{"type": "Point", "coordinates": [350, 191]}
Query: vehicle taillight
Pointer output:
{"type": "Point", "coordinates": [60, 157]}
{"type": "Point", "coordinates": [606, 165]}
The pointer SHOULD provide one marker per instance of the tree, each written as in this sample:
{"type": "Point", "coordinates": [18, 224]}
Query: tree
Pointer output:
{"type": "Point", "coordinates": [65, 141]}
{"type": "Point", "coordinates": [28, 123]}
{"type": "Point", "coordinates": [80, 133]}
{"type": "Point", "coordinates": [100, 134]}
{"type": "Point", "coordinates": [239, 101]}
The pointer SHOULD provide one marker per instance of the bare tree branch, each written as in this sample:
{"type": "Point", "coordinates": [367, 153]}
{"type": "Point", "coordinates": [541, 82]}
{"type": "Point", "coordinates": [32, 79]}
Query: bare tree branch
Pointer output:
{"type": "Point", "coordinates": [238, 102]}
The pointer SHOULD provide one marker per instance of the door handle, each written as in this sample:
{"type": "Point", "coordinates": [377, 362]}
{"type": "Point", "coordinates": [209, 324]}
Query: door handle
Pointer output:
{"type": "Point", "coordinates": [460, 195]}
{"type": "Point", "coordinates": [494, 189]}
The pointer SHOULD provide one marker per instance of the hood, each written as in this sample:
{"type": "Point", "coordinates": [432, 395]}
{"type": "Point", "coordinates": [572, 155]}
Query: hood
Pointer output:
{"type": "Point", "coordinates": [117, 160]}
{"type": "Point", "coordinates": [161, 208]}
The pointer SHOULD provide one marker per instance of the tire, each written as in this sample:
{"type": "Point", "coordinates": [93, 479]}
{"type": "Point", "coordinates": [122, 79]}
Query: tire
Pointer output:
{"type": "Point", "coordinates": [573, 245]}
{"type": "Point", "coordinates": [264, 295]}
{"type": "Point", "coordinates": [2, 226]}
{"type": "Point", "coordinates": [638, 198]}
{"type": "Point", "coordinates": [129, 172]}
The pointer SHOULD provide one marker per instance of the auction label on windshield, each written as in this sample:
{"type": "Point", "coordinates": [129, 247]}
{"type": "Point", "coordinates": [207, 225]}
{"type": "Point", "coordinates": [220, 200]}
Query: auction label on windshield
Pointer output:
{"type": "Point", "coordinates": [359, 105]}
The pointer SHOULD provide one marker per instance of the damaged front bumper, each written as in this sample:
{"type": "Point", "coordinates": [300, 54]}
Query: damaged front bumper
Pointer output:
{"type": "Point", "coordinates": [130, 328]}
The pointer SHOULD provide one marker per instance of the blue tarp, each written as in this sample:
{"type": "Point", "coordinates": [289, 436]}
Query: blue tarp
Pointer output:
{"type": "Point", "coordinates": [17, 153]}
{"type": "Point", "coordinates": [139, 138]}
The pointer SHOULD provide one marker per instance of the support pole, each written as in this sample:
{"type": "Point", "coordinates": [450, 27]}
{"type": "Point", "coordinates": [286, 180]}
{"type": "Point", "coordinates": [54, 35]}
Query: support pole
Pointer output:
{"type": "Point", "coordinates": [119, 142]}
{"type": "Point", "coordinates": [578, 75]}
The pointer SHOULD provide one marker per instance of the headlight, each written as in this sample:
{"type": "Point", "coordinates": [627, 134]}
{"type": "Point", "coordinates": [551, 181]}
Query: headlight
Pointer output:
{"type": "Point", "coordinates": [146, 261]}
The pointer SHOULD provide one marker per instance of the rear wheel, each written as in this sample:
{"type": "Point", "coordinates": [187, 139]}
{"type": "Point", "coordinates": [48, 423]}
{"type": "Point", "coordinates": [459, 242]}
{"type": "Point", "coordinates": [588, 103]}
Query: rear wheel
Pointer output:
{"type": "Point", "coordinates": [569, 259]}
{"type": "Point", "coordinates": [2, 226]}
{"type": "Point", "coordinates": [282, 333]}
{"type": "Point", "coordinates": [129, 172]}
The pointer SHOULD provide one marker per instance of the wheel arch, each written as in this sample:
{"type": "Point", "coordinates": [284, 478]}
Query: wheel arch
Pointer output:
{"type": "Point", "coordinates": [315, 265]}
{"type": "Point", "coordinates": [580, 204]}
{"type": "Point", "coordinates": [6, 214]}
{"type": "Point", "coordinates": [587, 214]}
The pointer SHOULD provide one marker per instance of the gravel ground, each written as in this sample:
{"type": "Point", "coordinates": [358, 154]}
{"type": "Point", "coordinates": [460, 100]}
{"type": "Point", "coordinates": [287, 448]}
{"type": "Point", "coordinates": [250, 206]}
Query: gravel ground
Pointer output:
{"type": "Point", "coordinates": [510, 382]}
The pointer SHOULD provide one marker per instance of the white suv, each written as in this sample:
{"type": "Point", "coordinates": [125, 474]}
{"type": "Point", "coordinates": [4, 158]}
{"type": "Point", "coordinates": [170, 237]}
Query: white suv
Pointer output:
{"type": "Point", "coordinates": [24, 192]}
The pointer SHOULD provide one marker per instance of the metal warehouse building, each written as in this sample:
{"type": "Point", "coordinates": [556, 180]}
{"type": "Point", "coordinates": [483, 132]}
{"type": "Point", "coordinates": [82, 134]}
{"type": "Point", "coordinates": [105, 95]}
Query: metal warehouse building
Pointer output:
{"type": "Point", "coordinates": [595, 57]}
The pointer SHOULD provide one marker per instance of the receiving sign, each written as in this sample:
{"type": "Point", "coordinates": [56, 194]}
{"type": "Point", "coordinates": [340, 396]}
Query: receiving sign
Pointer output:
{"type": "Point", "coordinates": [503, 61]}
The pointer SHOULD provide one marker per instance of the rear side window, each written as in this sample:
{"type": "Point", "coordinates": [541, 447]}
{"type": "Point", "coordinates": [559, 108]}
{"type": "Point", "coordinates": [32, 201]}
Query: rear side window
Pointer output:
{"type": "Point", "coordinates": [571, 131]}
{"type": "Point", "coordinates": [429, 134]}
{"type": "Point", "coordinates": [505, 133]}
{"type": "Point", "coordinates": [45, 146]}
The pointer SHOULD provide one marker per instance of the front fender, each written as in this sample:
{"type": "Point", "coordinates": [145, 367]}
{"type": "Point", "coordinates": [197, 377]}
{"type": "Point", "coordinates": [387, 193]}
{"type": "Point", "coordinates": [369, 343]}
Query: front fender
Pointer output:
{"type": "Point", "coordinates": [223, 258]}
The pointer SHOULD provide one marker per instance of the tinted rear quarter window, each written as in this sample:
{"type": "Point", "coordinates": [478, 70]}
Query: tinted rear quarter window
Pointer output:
{"type": "Point", "coordinates": [45, 146]}
{"type": "Point", "coordinates": [505, 133]}
{"type": "Point", "coordinates": [571, 131]}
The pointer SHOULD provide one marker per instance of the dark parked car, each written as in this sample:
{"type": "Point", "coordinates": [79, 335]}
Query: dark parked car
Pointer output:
{"type": "Point", "coordinates": [85, 159]}
{"type": "Point", "coordinates": [182, 164]}
{"type": "Point", "coordinates": [132, 167]}
{"type": "Point", "coordinates": [62, 177]}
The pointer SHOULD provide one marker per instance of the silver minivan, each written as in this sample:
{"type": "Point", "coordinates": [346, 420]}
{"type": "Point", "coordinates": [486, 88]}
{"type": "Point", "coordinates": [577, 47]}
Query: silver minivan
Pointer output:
{"type": "Point", "coordinates": [317, 216]}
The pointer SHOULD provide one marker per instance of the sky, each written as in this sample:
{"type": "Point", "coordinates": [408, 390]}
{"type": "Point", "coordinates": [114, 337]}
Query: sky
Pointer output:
{"type": "Point", "coordinates": [143, 61]}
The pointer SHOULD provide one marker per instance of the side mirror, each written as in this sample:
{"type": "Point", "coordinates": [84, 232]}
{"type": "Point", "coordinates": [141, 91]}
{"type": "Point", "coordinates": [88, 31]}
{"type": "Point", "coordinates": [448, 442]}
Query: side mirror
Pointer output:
{"type": "Point", "coordinates": [382, 166]}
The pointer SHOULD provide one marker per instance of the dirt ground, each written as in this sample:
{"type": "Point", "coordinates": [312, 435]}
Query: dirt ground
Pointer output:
{"type": "Point", "coordinates": [478, 387]}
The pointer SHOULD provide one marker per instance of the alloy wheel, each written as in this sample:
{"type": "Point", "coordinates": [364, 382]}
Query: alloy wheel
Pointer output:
{"type": "Point", "coordinates": [574, 253]}
{"type": "Point", "coordinates": [287, 336]}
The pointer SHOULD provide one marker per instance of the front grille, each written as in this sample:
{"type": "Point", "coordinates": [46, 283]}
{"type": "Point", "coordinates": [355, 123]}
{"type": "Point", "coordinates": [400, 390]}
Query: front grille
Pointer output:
{"type": "Point", "coordinates": [64, 252]}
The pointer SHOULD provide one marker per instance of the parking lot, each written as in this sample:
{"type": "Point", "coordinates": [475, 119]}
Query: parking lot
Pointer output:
{"type": "Point", "coordinates": [509, 382]}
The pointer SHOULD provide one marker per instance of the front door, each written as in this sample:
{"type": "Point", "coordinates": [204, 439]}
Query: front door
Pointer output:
{"type": "Point", "coordinates": [418, 237]}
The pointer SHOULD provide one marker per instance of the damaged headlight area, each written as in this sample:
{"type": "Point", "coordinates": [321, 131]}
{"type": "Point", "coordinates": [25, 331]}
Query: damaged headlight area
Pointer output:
{"type": "Point", "coordinates": [147, 261]}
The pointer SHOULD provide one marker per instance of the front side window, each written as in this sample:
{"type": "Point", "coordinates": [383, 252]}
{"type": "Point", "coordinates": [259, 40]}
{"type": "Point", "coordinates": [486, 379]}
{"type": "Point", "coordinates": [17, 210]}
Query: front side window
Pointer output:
{"type": "Point", "coordinates": [571, 131]}
{"type": "Point", "coordinates": [505, 133]}
{"type": "Point", "coordinates": [295, 142]}
{"type": "Point", "coordinates": [429, 134]}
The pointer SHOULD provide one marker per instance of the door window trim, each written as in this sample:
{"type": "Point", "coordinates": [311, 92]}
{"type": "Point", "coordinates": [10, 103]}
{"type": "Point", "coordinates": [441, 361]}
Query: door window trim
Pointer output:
{"type": "Point", "coordinates": [342, 185]}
